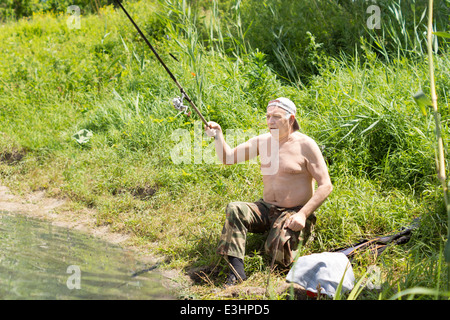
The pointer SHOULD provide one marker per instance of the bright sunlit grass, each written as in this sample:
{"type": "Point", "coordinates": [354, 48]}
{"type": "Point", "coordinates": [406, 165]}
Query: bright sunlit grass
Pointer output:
{"type": "Point", "coordinates": [379, 145]}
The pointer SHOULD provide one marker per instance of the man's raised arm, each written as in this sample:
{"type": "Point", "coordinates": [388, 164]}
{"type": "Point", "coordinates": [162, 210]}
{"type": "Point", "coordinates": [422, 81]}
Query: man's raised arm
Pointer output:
{"type": "Point", "coordinates": [243, 152]}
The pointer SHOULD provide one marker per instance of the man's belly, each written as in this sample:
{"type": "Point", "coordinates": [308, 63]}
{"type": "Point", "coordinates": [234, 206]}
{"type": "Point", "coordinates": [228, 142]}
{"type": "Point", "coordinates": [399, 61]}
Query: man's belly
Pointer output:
{"type": "Point", "coordinates": [287, 193]}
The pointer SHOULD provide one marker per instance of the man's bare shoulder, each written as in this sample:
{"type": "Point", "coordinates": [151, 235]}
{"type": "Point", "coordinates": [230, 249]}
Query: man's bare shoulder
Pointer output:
{"type": "Point", "coordinates": [306, 142]}
{"type": "Point", "coordinates": [302, 138]}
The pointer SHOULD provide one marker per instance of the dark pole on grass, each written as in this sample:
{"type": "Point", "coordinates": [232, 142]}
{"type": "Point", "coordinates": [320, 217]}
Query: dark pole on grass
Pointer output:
{"type": "Point", "coordinates": [184, 95]}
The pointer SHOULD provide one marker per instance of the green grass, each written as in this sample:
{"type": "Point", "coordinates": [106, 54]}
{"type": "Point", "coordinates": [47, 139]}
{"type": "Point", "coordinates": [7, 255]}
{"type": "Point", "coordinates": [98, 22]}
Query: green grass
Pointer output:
{"type": "Point", "coordinates": [377, 142]}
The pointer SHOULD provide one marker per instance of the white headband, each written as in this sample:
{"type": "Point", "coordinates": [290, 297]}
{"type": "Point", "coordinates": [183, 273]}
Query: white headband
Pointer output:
{"type": "Point", "coordinates": [285, 104]}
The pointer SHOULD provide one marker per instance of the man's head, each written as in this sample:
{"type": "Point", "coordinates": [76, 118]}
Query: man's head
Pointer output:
{"type": "Point", "coordinates": [288, 106]}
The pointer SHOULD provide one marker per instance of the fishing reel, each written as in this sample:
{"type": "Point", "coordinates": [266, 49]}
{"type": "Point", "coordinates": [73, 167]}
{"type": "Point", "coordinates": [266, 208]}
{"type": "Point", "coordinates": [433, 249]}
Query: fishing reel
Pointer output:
{"type": "Point", "coordinates": [178, 104]}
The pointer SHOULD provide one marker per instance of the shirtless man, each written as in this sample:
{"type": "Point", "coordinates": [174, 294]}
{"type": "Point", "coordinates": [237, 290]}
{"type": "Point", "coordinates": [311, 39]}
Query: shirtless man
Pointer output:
{"type": "Point", "coordinates": [290, 163]}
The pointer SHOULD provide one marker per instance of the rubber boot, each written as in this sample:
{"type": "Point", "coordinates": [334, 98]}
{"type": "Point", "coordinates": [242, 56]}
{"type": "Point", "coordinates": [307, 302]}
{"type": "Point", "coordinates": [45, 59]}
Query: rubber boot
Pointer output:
{"type": "Point", "coordinates": [237, 266]}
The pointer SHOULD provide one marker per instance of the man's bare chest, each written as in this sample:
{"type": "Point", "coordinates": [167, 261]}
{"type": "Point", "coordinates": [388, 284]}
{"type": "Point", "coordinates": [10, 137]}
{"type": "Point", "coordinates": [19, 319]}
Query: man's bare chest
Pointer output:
{"type": "Point", "coordinates": [291, 160]}
{"type": "Point", "coordinates": [288, 159]}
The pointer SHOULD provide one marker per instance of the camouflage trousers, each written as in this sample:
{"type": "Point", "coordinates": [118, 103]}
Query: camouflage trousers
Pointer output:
{"type": "Point", "coordinates": [259, 217]}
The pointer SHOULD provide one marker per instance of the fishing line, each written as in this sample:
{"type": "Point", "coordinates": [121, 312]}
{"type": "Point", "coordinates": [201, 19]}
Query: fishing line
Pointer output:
{"type": "Point", "coordinates": [177, 102]}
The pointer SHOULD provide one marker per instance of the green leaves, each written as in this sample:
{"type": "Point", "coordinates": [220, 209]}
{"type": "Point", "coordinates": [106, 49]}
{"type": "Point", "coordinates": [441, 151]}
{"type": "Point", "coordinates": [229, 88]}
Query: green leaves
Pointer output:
{"type": "Point", "coordinates": [423, 101]}
{"type": "Point", "coordinates": [442, 34]}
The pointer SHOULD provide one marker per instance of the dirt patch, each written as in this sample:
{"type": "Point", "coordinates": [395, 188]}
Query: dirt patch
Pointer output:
{"type": "Point", "coordinates": [140, 192]}
{"type": "Point", "coordinates": [144, 192]}
{"type": "Point", "coordinates": [13, 156]}
{"type": "Point", "coordinates": [11, 152]}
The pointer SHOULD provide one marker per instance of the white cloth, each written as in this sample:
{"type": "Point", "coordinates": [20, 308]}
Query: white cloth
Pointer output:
{"type": "Point", "coordinates": [326, 269]}
{"type": "Point", "coordinates": [284, 103]}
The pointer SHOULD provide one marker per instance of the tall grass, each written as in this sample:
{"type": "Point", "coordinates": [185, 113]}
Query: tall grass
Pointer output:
{"type": "Point", "coordinates": [369, 113]}
{"type": "Point", "coordinates": [378, 144]}
{"type": "Point", "coordinates": [440, 157]}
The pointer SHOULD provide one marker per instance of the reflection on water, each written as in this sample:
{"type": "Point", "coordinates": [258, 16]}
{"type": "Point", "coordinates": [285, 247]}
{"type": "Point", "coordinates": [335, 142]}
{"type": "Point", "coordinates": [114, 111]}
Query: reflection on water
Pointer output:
{"type": "Point", "coordinates": [42, 261]}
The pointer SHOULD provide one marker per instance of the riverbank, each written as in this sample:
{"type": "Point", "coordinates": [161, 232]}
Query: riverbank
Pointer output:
{"type": "Point", "coordinates": [59, 213]}
{"type": "Point", "coordinates": [179, 283]}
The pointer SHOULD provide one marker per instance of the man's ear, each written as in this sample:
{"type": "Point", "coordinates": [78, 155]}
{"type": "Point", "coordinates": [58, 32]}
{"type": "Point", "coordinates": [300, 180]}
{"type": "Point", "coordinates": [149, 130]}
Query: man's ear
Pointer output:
{"type": "Point", "coordinates": [291, 119]}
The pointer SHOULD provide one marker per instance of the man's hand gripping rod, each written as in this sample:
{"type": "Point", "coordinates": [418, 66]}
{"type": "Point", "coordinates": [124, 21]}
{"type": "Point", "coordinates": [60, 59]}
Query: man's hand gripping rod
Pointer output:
{"type": "Point", "coordinates": [178, 102]}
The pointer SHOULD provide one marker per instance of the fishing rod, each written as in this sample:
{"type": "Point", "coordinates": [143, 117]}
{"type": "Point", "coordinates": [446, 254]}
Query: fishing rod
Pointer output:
{"type": "Point", "coordinates": [177, 102]}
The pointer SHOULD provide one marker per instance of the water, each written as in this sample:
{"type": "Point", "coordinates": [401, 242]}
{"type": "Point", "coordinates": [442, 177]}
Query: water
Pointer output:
{"type": "Point", "coordinates": [46, 262]}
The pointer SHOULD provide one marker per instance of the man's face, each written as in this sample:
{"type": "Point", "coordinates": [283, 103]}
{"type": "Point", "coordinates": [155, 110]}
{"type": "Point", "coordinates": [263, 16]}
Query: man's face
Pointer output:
{"type": "Point", "coordinates": [277, 119]}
